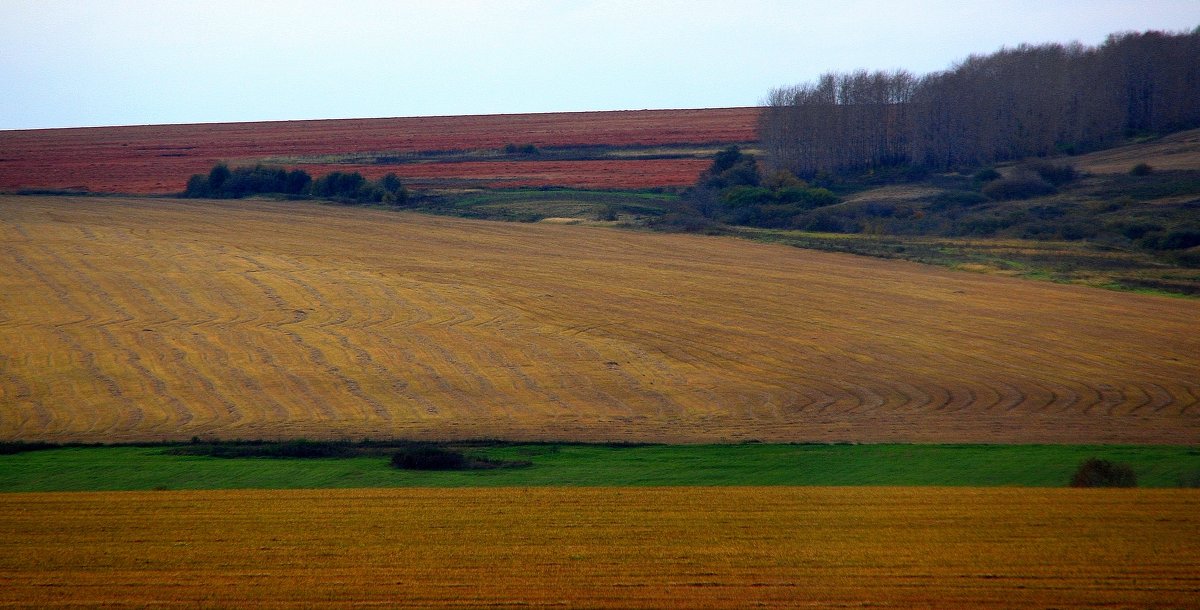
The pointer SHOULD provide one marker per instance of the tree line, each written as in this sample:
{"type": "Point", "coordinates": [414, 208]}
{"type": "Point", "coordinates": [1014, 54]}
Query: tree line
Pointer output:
{"type": "Point", "coordinates": [1032, 100]}
{"type": "Point", "coordinates": [221, 182]}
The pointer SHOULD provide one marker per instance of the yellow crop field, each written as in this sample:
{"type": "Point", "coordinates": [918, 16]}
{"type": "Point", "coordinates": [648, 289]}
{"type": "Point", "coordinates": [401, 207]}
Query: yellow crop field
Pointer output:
{"type": "Point", "coordinates": [149, 319]}
{"type": "Point", "coordinates": [603, 547]}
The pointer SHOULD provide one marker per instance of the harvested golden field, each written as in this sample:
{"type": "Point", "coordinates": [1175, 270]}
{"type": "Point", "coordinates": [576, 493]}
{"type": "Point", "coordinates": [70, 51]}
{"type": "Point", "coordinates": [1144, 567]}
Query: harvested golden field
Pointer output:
{"type": "Point", "coordinates": [603, 547]}
{"type": "Point", "coordinates": [138, 319]}
{"type": "Point", "coordinates": [1178, 151]}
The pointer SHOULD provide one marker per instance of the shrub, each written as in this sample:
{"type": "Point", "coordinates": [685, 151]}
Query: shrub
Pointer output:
{"type": "Point", "coordinates": [293, 449]}
{"type": "Point", "coordinates": [225, 183]}
{"type": "Point", "coordinates": [15, 447]}
{"type": "Point", "coordinates": [807, 197]}
{"type": "Point", "coordinates": [1095, 472]}
{"type": "Point", "coordinates": [1018, 188]}
{"type": "Point", "coordinates": [429, 457]}
{"type": "Point", "coordinates": [783, 179]}
{"type": "Point", "coordinates": [197, 186]}
{"type": "Point", "coordinates": [217, 176]}
{"type": "Point", "coordinates": [1180, 239]}
{"type": "Point", "coordinates": [521, 149]}
{"type": "Point", "coordinates": [1190, 480]}
{"type": "Point", "coordinates": [1053, 173]}
{"type": "Point", "coordinates": [731, 167]}
{"type": "Point", "coordinates": [987, 175]}
{"type": "Point", "coordinates": [1138, 230]}
{"type": "Point", "coordinates": [339, 185]}
{"type": "Point", "coordinates": [946, 200]}
{"type": "Point", "coordinates": [745, 196]}
{"type": "Point", "coordinates": [1141, 169]}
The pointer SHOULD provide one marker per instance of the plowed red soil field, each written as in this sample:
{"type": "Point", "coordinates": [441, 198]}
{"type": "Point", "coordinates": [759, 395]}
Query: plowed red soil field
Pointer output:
{"type": "Point", "coordinates": [156, 159]}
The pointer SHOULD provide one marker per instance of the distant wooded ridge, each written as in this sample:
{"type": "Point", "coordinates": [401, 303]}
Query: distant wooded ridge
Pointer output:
{"type": "Point", "coordinates": [1032, 100]}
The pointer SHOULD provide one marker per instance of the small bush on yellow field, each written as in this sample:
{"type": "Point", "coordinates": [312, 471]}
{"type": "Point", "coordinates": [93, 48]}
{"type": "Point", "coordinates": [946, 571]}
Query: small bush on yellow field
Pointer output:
{"type": "Point", "coordinates": [1094, 472]}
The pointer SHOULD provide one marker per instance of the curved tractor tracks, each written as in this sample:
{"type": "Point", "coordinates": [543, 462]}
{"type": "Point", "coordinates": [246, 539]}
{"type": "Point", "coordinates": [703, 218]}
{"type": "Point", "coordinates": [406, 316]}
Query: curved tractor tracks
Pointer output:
{"type": "Point", "coordinates": [128, 319]}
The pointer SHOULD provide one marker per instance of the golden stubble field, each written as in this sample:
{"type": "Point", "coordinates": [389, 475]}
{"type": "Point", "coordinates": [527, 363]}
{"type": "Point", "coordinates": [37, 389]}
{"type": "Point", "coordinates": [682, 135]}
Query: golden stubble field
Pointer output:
{"type": "Point", "coordinates": [144, 319]}
{"type": "Point", "coordinates": [603, 547]}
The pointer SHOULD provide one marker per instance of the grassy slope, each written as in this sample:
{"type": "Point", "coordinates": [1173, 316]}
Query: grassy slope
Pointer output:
{"type": "Point", "coordinates": [134, 468]}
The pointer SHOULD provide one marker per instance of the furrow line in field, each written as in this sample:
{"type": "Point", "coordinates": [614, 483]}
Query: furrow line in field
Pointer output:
{"type": "Point", "coordinates": [60, 292]}
{"type": "Point", "coordinates": [916, 399]}
{"type": "Point", "coordinates": [394, 299]}
{"type": "Point", "coordinates": [637, 359]}
{"type": "Point", "coordinates": [176, 355]}
{"type": "Point", "coordinates": [315, 355]}
{"type": "Point", "coordinates": [333, 328]}
{"type": "Point", "coordinates": [966, 399]}
{"type": "Point", "coordinates": [598, 368]}
{"type": "Point", "coordinates": [134, 415]}
{"type": "Point", "coordinates": [220, 355]}
{"type": "Point", "coordinates": [1161, 398]}
{"type": "Point", "coordinates": [1017, 397]}
{"type": "Point", "coordinates": [1108, 400]}
{"type": "Point", "coordinates": [84, 356]}
{"type": "Point", "coordinates": [183, 413]}
{"type": "Point", "coordinates": [15, 392]}
{"type": "Point", "coordinates": [1193, 390]}
{"type": "Point", "coordinates": [1133, 407]}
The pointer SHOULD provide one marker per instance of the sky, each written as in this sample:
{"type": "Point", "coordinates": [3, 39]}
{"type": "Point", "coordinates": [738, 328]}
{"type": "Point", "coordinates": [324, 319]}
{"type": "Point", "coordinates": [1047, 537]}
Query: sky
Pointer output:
{"type": "Point", "coordinates": [71, 63]}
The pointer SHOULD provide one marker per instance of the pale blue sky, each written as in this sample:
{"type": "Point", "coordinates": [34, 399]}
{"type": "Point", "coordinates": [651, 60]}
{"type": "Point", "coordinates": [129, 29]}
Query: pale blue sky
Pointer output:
{"type": "Point", "coordinates": [112, 62]}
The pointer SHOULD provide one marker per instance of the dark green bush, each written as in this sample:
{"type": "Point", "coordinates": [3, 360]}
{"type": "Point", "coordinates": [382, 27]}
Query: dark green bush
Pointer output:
{"type": "Point", "coordinates": [986, 174]}
{"type": "Point", "coordinates": [1057, 174]}
{"type": "Point", "coordinates": [1141, 169]}
{"type": "Point", "coordinates": [224, 183]}
{"type": "Point", "coordinates": [293, 449]}
{"type": "Point", "coordinates": [429, 457]}
{"type": "Point", "coordinates": [521, 149]}
{"type": "Point", "coordinates": [15, 447]}
{"type": "Point", "coordinates": [946, 200]}
{"type": "Point", "coordinates": [1095, 472]}
{"type": "Point", "coordinates": [745, 196]}
{"type": "Point", "coordinates": [807, 197]}
{"type": "Point", "coordinates": [731, 167]}
{"type": "Point", "coordinates": [339, 185]}
{"type": "Point", "coordinates": [1180, 239]}
{"type": "Point", "coordinates": [1017, 188]}
{"type": "Point", "coordinates": [1138, 230]}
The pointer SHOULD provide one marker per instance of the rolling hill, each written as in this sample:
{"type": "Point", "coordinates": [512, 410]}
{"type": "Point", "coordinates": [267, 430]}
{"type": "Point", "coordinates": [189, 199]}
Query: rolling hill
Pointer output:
{"type": "Point", "coordinates": [425, 151]}
{"type": "Point", "coordinates": [142, 319]}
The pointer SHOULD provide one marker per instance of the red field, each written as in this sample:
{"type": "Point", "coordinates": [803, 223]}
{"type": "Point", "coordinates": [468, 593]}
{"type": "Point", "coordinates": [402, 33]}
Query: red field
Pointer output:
{"type": "Point", "coordinates": [159, 158]}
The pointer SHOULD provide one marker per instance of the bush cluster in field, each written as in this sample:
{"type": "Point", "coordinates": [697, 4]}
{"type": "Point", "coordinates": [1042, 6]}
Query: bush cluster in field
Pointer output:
{"type": "Point", "coordinates": [1095, 472]}
{"type": "Point", "coordinates": [1036, 199]}
{"type": "Point", "coordinates": [346, 187]}
{"type": "Point", "coordinates": [404, 455]}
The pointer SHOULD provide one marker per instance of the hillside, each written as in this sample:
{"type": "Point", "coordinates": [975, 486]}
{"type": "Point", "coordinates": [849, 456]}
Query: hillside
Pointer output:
{"type": "Point", "coordinates": [426, 151]}
{"type": "Point", "coordinates": [134, 319]}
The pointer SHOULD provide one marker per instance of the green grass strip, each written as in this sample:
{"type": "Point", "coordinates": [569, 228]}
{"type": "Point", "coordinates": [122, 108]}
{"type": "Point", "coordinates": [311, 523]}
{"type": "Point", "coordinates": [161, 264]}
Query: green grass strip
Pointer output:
{"type": "Point", "coordinates": [144, 468]}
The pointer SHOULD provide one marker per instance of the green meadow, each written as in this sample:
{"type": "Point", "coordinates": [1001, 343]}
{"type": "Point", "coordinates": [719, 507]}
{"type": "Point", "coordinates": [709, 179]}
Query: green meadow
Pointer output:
{"type": "Point", "coordinates": [95, 468]}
